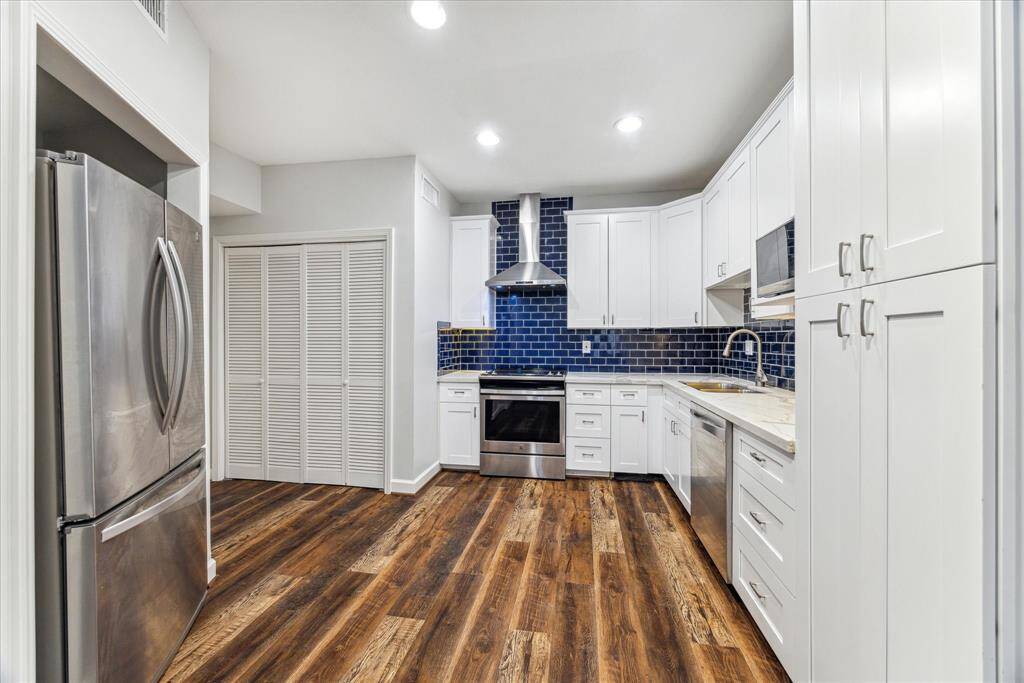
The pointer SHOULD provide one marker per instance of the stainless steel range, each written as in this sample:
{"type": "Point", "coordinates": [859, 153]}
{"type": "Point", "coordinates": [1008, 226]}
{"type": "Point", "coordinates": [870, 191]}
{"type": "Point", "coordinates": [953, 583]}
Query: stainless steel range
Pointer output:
{"type": "Point", "coordinates": [522, 430]}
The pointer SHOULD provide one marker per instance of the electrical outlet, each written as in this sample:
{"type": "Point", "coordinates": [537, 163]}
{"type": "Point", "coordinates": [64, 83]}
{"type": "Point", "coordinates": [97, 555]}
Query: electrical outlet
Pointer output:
{"type": "Point", "coordinates": [748, 347]}
{"type": "Point", "coordinates": [586, 346]}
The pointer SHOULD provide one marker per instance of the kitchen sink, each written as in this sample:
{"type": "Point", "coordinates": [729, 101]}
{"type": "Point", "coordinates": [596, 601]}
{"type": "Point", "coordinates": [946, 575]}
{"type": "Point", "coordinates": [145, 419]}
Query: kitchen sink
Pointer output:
{"type": "Point", "coordinates": [722, 388]}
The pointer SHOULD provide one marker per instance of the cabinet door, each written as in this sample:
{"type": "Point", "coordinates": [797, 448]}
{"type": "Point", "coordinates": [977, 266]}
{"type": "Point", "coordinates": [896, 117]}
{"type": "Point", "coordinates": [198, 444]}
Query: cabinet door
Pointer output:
{"type": "Point", "coordinates": [839, 72]}
{"type": "Point", "coordinates": [847, 495]}
{"type": "Point", "coordinates": [669, 458]}
{"type": "Point", "coordinates": [629, 269]}
{"type": "Point", "coordinates": [470, 268]}
{"type": "Point", "coordinates": [716, 233]}
{"type": "Point", "coordinates": [629, 440]}
{"type": "Point", "coordinates": [737, 185]}
{"type": "Point", "coordinates": [587, 280]}
{"type": "Point", "coordinates": [460, 434]}
{"type": "Point", "coordinates": [939, 140]}
{"type": "Point", "coordinates": [771, 164]}
{"type": "Point", "coordinates": [929, 359]}
{"type": "Point", "coordinates": [678, 280]}
{"type": "Point", "coordinates": [682, 449]}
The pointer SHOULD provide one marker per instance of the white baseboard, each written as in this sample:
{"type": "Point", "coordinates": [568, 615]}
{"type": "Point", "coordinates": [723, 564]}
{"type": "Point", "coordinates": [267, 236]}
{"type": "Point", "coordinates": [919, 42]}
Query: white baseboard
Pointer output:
{"type": "Point", "coordinates": [211, 569]}
{"type": "Point", "coordinates": [414, 485]}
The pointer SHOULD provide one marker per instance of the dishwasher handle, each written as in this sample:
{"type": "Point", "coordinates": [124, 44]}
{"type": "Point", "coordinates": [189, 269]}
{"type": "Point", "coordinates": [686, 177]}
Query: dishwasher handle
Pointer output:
{"type": "Point", "coordinates": [710, 423]}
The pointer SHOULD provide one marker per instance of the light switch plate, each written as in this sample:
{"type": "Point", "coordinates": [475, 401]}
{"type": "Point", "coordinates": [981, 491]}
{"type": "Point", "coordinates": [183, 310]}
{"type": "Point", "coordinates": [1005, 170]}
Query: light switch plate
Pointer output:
{"type": "Point", "coordinates": [586, 346]}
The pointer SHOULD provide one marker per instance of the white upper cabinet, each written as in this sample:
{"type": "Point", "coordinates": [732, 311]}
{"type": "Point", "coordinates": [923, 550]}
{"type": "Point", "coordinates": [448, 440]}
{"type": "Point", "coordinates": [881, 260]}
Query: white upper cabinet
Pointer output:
{"type": "Point", "coordinates": [716, 233]}
{"type": "Point", "coordinates": [610, 275]}
{"type": "Point", "coordinates": [771, 163]}
{"type": "Point", "coordinates": [587, 279]}
{"type": "Point", "coordinates": [678, 283]}
{"type": "Point", "coordinates": [473, 262]}
{"type": "Point", "coordinates": [737, 187]}
{"type": "Point", "coordinates": [629, 269]}
{"type": "Point", "coordinates": [894, 140]}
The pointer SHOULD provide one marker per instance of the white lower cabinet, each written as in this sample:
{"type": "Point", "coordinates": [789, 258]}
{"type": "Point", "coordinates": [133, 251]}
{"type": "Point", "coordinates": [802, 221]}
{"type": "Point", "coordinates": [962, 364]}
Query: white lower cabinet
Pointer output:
{"type": "Point", "coordinates": [459, 433]}
{"type": "Point", "coordinates": [629, 439]}
{"type": "Point", "coordinates": [775, 611]}
{"type": "Point", "coordinates": [675, 444]}
{"type": "Point", "coordinates": [893, 416]}
{"type": "Point", "coordinates": [588, 455]}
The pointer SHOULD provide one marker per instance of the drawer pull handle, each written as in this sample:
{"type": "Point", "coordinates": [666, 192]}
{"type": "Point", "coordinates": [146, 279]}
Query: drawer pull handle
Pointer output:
{"type": "Point", "coordinates": [588, 422]}
{"type": "Point", "coordinates": [628, 394]}
{"type": "Point", "coordinates": [757, 518]}
{"type": "Point", "coordinates": [587, 393]}
{"type": "Point", "coordinates": [759, 458]}
{"type": "Point", "coordinates": [586, 454]}
{"type": "Point", "coordinates": [753, 587]}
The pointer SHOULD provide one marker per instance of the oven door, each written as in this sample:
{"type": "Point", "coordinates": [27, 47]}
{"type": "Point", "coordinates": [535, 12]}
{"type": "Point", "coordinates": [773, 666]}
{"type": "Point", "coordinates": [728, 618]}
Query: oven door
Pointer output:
{"type": "Point", "coordinates": [527, 422]}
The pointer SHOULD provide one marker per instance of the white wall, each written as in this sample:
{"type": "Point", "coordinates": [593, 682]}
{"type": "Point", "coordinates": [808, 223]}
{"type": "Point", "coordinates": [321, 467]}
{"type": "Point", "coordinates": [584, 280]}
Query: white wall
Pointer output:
{"type": "Point", "coordinates": [342, 195]}
{"type": "Point", "coordinates": [432, 281]}
{"type": "Point", "coordinates": [597, 201]}
{"type": "Point", "coordinates": [234, 184]}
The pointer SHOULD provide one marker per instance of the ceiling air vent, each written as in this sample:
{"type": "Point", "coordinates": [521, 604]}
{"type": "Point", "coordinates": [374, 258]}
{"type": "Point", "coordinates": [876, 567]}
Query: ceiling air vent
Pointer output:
{"type": "Point", "coordinates": [429, 192]}
{"type": "Point", "coordinates": [156, 10]}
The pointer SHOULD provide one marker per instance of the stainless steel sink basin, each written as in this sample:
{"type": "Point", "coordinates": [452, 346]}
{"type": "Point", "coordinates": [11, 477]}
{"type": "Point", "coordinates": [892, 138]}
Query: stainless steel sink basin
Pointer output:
{"type": "Point", "coordinates": [722, 388]}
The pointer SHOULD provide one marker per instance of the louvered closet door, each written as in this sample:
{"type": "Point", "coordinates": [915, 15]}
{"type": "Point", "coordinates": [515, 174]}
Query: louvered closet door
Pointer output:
{"type": "Point", "coordinates": [243, 340]}
{"type": "Point", "coordinates": [363, 382]}
{"type": "Point", "coordinates": [284, 363]}
{"type": "Point", "coordinates": [325, 349]}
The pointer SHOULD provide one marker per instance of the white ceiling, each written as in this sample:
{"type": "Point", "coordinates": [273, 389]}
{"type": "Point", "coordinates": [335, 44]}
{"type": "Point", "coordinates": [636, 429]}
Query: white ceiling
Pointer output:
{"type": "Point", "coordinates": [297, 82]}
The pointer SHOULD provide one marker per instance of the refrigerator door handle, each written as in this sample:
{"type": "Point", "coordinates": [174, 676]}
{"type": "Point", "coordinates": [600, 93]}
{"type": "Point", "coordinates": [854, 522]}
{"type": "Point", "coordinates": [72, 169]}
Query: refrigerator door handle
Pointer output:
{"type": "Point", "coordinates": [183, 330]}
{"type": "Point", "coordinates": [179, 315]}
{"type": "Point", "coordinates": [155, 350]}
{"type": "Point", "coordinates": [115, 530]}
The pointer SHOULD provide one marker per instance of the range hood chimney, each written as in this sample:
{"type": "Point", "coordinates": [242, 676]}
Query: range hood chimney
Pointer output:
{"type": "Point", "coordinates": [529, 273]}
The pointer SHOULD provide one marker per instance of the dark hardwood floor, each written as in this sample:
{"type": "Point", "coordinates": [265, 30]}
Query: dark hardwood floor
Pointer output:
{"type": "Point", "coordinates": [473, 579]}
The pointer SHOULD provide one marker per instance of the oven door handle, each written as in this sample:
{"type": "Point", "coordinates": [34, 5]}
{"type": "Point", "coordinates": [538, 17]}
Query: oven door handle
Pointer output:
{"type": "Point", "coordinates": [523, 392]}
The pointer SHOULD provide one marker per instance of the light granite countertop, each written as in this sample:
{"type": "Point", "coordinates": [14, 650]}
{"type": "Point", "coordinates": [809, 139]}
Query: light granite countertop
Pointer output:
{"type": "Point", "coordinates": [769, 414]}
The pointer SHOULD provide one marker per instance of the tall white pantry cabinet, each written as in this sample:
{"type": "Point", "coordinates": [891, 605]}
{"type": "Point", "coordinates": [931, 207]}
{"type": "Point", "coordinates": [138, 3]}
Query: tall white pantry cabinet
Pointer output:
{"type": "Point", "coordinates": [895, 239]}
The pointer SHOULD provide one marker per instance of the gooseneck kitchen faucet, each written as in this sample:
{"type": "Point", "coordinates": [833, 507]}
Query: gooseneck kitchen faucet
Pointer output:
{"type": "Point", "coordinates": [760, 379]}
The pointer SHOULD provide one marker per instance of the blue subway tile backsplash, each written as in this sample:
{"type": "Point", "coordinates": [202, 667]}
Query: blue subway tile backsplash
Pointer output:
{"type": "Point", "coordinates": [530, 327]}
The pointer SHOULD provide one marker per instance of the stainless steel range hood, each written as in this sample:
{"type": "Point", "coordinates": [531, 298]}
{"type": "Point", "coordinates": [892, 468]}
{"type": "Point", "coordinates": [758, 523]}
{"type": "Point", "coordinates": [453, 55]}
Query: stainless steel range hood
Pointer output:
{"type": "Point", "coordinates": [529, 273]}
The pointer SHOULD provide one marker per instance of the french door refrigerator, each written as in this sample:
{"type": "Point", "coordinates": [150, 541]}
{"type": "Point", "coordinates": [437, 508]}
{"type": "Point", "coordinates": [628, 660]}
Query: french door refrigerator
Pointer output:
{"type": "Point", "coordinates": [120, 464]}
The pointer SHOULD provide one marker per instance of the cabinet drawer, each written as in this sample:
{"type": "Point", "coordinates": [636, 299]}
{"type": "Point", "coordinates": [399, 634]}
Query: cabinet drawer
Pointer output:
{"type": "Point", "coordinates": [771, 606]}
{"type": "Point", "coordinates": [768, 524]}
{"type": "Point", "coordinates": [463, 392]}
{"type": "Point", "coordinates": [588, 394]}
{"type": "Point", "coordinates": [588, 421]}
{"type": "Point", "coordinates": [629, 395]}
{"type": "Point", "coordinates": [588, 455]}
{"type": "Point", "coordinates": [770, 466]}
{"type": "Point", "coordinates": [680, 405]}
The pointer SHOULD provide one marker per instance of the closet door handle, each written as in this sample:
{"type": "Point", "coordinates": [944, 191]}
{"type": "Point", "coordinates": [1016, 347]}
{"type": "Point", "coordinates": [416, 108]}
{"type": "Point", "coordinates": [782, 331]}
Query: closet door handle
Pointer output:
{"type": "Point", "coordinates": [839, 321]}
{"type": "Point", "coordinates": [842, 247]}
{"type": "Point", "coordinates": [863, 320]}
{"type": "Point", "coordinates": [864, 237]}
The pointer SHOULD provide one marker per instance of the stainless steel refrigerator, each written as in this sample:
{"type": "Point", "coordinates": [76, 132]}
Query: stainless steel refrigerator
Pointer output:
{"type": "Point", "coordinates": [120, 422]}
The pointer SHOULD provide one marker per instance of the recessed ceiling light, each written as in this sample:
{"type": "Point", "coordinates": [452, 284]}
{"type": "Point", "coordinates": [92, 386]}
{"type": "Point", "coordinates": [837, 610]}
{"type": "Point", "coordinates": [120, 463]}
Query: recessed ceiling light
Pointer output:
{"type": "Point", "coordinates": [487, 138]}
{"type": "Point", "coordinates": [428, 13]}
{"type": "Point", "coordinates": [629, 124]}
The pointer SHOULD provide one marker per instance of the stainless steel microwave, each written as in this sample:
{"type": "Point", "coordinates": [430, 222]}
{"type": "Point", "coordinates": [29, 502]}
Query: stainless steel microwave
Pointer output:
{"type": "Point", "coordinates": [775, 261]}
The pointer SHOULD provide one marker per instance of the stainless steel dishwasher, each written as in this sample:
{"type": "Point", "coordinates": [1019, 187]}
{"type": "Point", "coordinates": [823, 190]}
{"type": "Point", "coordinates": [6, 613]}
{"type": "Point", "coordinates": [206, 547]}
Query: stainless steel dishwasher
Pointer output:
{"type": "Point", "coordinates": [711, 486]}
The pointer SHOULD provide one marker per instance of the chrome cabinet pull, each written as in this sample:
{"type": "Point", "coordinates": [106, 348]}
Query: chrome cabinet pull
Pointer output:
{"type": "Point", "coordinates": [586, 454]}
{"type": "Point", "coordinates": [839, 321]}
{"type": "Point", "coordinates": [864, 237]}
{"type": "Point", "coordinates": [643, 416]}
{"type": "Point", "coordinates": [757, 518]}
{"type": "Point", "coordinates": [842, 246]}
{"type": "Point", "coordinates": [759, 458]}
{"type": "Point", "coordinates": [613, 318]}
{"type": "Point", "coordinates": [588, 422]}
{"type": "Point", "coordinates": [863, 322]}
{"type": "Point", "coordinates": [483, 320]}
{"type": "Point", "coordinates": [672, 427]}
{"type": "Point", "coordinates": [474, 412]}
{"type": "Point", "coordinates": [753, 587]}
{"type": "Point", "coordinates": [695, 317]}
{"type": "Point", "coordinates": [602, 318]}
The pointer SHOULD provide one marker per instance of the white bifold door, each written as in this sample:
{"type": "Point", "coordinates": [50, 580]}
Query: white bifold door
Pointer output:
{"type": "Point", "coordinates": [305, 340]}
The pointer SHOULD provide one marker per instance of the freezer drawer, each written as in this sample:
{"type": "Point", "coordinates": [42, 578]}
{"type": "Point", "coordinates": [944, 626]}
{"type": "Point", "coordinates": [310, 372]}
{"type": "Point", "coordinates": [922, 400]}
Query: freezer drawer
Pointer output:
{"type": "Point", "coordinates": [136, 578]}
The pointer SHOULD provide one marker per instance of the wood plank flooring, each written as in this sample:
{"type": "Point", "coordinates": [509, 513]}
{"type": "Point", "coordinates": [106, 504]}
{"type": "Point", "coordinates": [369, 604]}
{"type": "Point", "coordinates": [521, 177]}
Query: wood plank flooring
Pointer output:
{"type": "Point", "coordinates": [473, 579]}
